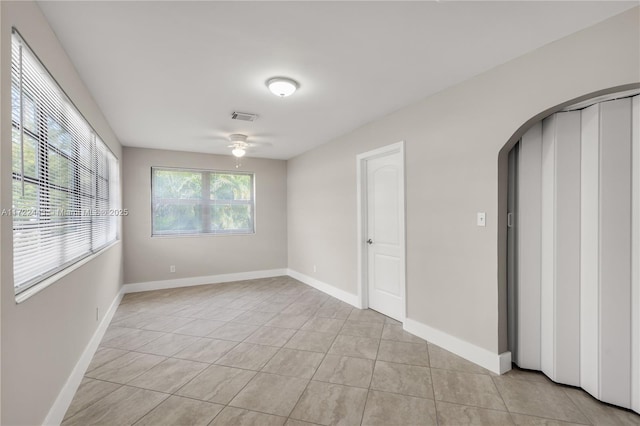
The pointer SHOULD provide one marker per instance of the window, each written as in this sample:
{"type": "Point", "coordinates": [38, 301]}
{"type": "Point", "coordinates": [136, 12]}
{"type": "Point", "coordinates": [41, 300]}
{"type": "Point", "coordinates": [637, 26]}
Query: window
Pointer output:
{"type": "Point", "coordinates": [65, 179]}
{"type": "Point", "coordinates": [201, 202]}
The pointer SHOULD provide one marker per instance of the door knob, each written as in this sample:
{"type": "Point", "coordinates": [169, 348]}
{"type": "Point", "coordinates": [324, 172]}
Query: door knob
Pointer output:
{"type": "Point", "coordinates": [369, 241]}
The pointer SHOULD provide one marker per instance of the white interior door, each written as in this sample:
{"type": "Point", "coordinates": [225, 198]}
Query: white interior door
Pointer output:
{"type": "Point", "coordinates": [385, 234]}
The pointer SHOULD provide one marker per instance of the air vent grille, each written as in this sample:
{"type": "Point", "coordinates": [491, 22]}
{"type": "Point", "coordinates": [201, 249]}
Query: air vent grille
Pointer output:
{"type": "Point", "coordinates": [244, 116]}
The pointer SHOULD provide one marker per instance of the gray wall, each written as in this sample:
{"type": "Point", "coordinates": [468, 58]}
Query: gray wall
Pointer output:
{"type": "Point", "coordinates": [148, 258]}
{"type": "Point", "coordinates": [43, 337]}
{"type": "Point", "coordinates": [455, 270]}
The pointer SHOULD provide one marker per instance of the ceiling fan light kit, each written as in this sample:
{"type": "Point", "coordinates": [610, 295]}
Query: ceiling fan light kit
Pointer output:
{"type": "Point", "coordinates": [239, 144]}
{"type": "Point", "coordinates": [238, 152]}
{"type": "Point", "coordinates": [282, 86]}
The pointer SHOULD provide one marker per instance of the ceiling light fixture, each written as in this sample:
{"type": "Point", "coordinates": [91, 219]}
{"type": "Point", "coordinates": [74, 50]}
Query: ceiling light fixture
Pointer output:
{"type": "Point", "coordinates": [238, 152]}
{"type": "Point", "coordinates": [239, 144]}
{"type": "Point", "coordinates": [282, 86]}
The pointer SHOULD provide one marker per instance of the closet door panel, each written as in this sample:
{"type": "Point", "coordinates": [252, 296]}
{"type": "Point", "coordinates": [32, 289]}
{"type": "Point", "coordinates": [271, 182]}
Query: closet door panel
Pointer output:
{"type": "Point", "coordinates": [615, 252]}
{"type": "Point", "coordinates": [528, 247]}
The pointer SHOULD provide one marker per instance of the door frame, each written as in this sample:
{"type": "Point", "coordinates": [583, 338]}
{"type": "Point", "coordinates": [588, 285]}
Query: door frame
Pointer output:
{"type": "Point", "coordinates": [361, 173]}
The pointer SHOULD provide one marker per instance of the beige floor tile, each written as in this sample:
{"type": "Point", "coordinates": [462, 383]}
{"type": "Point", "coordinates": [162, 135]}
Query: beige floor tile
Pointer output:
{"type": "Point", "coordinates": [445, 360]}
{"type": "Point", "coordinates": [292, 362]}
{"type": "Point", "coordinates": [219, 314]}
{"type": "Point", "coordinates": [126, 368]}
{"type": "Point", "coordinates": [397, 333]}
{"type": "Point", "coordinates": [293, 422]}
{"type": "Point", "coordinates": [601, 414]}
{"type": "Point", "coordinates": [217, 384]}
{"type": "Point", "coordinates": [288, 321]}
{"type": "Point", "coordinates": [271, 336]}
{"type": "Point", "coordinates": [362, 329]}
{"type": "Point", "coordinates": [242, 304]}
{"type": "Point", "coordinates": [270, 393]}
{"type": "Point", "coordinates": [538, 399]}
{"type": "Point", "coordinates": [121, 313]}
{"type": "Point", "coordinates": [233, 331]}
{"type": "Point", "coordinates": [231, 416]}
{"type": "Point", "coordinates": [459, 415]}
{"type": "Point", "coordinates": [366, 315]}
{"type": "Point", "coordinates": [89, 391]}
{"type": "Point", "coordinates": [524, 420]}
{"type": "Point", "coordinates": [344, 370]}
{"type": "Point", "coordinates": [520, 374]}
{"type": "Point", "coordinates": [270, 306]}
{"type": "Point", "coordinates": [300, 308]}
{"type": "Point", "coordinates": [206, 350]}
{"type": "Point", "coordinates": [477, 390]}
{"type": "Point", "coordinates": [104, 355]}
{"type": "Point", "coordinates": [169, 376]}
{"type": "Point", "coordinates": [152, 322]}
{"type": "Point", "coordinates": [391, 321]}
{"type": "Point", "coordinates": [386, 409]}
{"type": "Point", "coordinates": [330, 404]}
{"type": "Point", "coordinates": [189, 311]}
{"type": "Point", "coordinates": [357, 347]}
{"type": "Point", "coordinates": [199, 327]}
{"type": "Point", "coordinates": [131, 339]}
{"type": "Point", "coordinates": [311, 341]}
{"type": "Point", "coordinates": [406, 379]}
{"type": "Point", "coordinates": [323, 325]}
{"type": "Point", "coordinates": [176, 410]}
{"type": "Point", "coordinates": [338, 312]}
{"type": "Point", "coordinates": [168, 345]}
{"type": "Point", "coordinates": [248, 356]}
{"type": "Point", "coordinates": [165, 323]}
{"type": "Point", "coordinates": [114, 331]}
{"type": "Point", "coordinates": [404, 353]}
{"type": "Point", "coordinates": [138, 320]}
{"type": "Point", "coordinates": [121, 407]}
{"type": "Point", "coordinates": [254, 317]}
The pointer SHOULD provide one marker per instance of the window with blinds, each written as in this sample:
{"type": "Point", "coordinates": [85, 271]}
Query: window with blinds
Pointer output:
{"type": "Point", "coordinates": [65, 179]}
{"type": "Point", "coordinates": [187, 202]}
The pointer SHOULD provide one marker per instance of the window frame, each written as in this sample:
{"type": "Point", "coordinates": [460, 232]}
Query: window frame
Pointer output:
{"type": "Point", "coordinates": [205, 215]}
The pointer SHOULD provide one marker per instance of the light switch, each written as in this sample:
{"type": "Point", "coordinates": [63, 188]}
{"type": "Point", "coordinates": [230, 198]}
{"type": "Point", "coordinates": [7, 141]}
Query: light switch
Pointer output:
{"type": "Point", "coordinates": [482, 219]}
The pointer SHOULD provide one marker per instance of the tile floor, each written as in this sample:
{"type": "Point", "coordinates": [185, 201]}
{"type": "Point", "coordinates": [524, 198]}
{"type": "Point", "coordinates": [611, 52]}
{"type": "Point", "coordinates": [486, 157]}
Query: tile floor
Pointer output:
{"type": "Point", "coordinates": [277, 352]}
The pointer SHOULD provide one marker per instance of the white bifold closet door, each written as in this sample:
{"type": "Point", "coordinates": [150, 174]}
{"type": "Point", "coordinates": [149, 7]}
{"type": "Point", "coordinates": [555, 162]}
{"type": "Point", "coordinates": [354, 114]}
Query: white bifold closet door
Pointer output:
{"type": "Point", "coordinates": [575, 249]}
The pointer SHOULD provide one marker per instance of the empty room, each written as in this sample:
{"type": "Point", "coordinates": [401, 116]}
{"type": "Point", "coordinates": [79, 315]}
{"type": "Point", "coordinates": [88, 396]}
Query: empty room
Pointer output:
{"type": "Point", "coordinates": [319, 213]}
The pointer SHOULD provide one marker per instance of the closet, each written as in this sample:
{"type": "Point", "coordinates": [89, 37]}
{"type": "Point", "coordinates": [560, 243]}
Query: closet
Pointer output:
{"type": "Point", "coordinates": [573, 249]}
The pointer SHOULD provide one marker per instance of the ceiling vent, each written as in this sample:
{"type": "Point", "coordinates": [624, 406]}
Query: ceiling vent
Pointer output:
{"type": "Point", "coordinates": [243, 116]}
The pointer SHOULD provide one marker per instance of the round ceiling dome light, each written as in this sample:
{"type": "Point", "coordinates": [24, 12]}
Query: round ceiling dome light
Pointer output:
{"type": "Point", "coordinates": [238, 152]}
{"type": "Point", "coordinates": [282, 86]}
{"type": "Point", "coordinates": [239, 144]}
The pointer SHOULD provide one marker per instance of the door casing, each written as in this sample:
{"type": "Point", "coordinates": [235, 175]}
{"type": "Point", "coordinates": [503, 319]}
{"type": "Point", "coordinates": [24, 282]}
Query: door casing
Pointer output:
{"type": "Point", "coordinates": [363, 274]}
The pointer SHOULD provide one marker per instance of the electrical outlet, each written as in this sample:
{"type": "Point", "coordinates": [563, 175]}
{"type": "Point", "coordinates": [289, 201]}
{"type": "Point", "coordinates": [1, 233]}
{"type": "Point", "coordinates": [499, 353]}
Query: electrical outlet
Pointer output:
{"type": "Point", "coordinates": [314, 268]}
{"type": "Point", "coordinates": [172, 268]}
{"type": "Point", "coordinates": [97, 313]}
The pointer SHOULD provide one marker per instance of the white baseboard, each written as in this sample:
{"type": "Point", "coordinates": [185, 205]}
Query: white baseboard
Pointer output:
{"type": "Point", "coordinates": [497, 363]}
{"type": "Point", "coordinates": [62, 402]}
{"type": "Point", "coordinates": [346, 297]}
{"type": "Point", "coordinates": [210, 279]}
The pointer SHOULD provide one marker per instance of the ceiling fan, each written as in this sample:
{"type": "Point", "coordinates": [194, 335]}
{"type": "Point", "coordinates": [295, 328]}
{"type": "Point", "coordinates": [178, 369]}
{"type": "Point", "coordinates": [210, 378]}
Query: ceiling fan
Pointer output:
{"type": "Point", "coordinates": [239, 144]}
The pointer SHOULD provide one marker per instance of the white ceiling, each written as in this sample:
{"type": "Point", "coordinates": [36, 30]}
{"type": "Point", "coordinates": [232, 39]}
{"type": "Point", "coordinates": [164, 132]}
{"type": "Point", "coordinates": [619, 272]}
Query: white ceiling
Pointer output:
{"type": "Point", "coordinates": [169, 74]}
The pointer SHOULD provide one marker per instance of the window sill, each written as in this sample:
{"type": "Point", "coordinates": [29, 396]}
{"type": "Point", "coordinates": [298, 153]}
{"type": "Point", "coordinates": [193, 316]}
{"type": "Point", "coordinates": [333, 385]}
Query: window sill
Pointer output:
{"type": "Point", "coordinates": [228, 234]}
{"type": "Point", "coordinates": [31, 291]}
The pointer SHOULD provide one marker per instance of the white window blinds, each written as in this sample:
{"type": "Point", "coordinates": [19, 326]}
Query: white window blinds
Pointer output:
{"type": "Point", "coordinates": [65, 179]}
